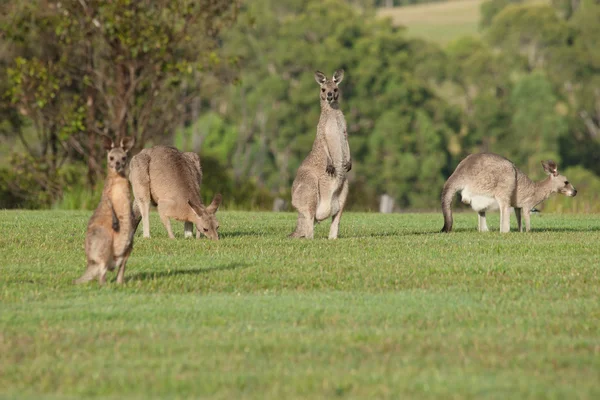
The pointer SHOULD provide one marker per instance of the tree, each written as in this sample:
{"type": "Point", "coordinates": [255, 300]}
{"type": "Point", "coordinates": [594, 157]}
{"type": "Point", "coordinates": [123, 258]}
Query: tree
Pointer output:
{"type": "Point", "coordinates": [123, 68]}
{"type": "Point", "coordinates": [276, 102]}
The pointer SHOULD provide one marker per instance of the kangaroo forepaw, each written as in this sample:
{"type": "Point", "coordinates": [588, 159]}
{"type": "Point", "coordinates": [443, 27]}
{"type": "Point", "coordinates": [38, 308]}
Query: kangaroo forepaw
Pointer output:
{"type": "Point", "coordinates": [330, 169]}
{"type": "Point", "coordinates": [348, 165]}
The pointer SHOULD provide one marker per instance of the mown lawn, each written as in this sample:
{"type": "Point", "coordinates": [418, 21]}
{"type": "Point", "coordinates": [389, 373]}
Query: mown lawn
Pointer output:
{"type": "Point", "coordinates": [439, 21]}
{"type": "Point", "coordinates": [392, 309]}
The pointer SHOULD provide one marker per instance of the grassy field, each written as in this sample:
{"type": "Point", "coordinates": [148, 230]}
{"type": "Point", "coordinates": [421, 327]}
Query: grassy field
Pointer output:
{"type": "Point", "coordinates": [439, 22]}
{"type": "Point", "coordinates": [392, 309]}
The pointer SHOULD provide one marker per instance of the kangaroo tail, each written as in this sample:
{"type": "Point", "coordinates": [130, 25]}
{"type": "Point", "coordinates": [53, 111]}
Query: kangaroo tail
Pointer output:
{"type": "Point", "coordinates": [448, 193]}
{"type": "Point", "coordinates": [137, 216]}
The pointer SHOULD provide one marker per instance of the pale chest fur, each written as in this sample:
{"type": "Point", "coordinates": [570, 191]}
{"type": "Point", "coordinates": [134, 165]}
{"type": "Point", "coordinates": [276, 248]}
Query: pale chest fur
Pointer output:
{"type": "Point", "coordinates": [478, 202]}
{"type": "Point", "coordinates": [120, 197]}
{"type": "Point", "coordinates": [337, 138]}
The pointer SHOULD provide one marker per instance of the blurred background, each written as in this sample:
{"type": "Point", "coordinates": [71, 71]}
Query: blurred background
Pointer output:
{"type": "Point", "coordinates": [426, 83]}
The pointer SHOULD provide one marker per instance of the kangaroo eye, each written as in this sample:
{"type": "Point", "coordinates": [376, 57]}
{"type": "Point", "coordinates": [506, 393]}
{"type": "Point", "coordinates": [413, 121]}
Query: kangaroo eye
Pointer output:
{"type": "Point", "coordinates": [323, 90]}
{"type": "Point", "coordinates": [111, 158]}
{"type": "Point", "coordinates": [205, 229]}
{"type": "Point", "coordinates": [566, 182]}
{"type": "Point", "coordinates": [335, 90]}
{"type": "Point", "coordinates": [123, 159]}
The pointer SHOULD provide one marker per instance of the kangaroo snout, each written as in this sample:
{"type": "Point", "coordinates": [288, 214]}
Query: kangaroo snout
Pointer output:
{"type": "Point", "coordinates": [573, 193]}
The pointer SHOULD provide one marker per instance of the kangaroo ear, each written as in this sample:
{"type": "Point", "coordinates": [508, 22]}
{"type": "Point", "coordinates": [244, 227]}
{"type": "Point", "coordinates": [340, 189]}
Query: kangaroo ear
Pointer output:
{"type": "Point", "coordinates": [108, 144]}
{"type": "Point", "coordinates": [214, 205]}
{"type": "Point", "coordinates": [338, 76]}
{"type": "Point", "coordinates": [320, 77]}
{"type": "Point", "coordinates": [127, 143]}
{"type": "Point", "coordinates": [550, 167]}
{"type": "Point", "coordinates": [194, 209]}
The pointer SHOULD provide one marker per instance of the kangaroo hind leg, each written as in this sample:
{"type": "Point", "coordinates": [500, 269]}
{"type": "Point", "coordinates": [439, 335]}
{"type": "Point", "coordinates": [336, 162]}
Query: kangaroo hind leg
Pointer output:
{"type": "Point", "coordinates": [305, 200]}
{"type": "Point", "coordinates": [140, 182]}
{"type": "Point", "coordinates": [335, 220]}
{"type": "Point", "coordinates": [482, 222]}
{"type": "Point", "coordinates": [89, 274]}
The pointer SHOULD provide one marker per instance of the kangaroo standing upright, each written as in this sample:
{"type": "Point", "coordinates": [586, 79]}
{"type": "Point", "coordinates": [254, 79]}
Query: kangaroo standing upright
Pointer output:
{"type": "Point", "coordinates": [109, 237]}
{"type": "Point", "coordinates": [321, 185]}
{"type": "Point", "coordinates": [171, 179]}
{"type": "Point", "coordinates": [489, 182]}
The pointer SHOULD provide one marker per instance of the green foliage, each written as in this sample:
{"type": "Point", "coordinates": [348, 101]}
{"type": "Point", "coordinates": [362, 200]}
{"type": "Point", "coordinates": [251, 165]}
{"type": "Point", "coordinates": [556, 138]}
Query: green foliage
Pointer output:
{"type": "Point", "coordinates": [531, 31]}
{"type": "Point", "coordinates": [527, 88]}
{"type": "Point", "coordinates": [277, 81]}
{"type": "Point", "coordinates": [588, 193]}
{"type": "Point", "coordinates": [391, 309]}
{"type": "Point", "coordinates": [211, 134]}
{"type": "Point", "coordinates": [489, 9]}
{"type": "Point", "coordinates": [536, 126]}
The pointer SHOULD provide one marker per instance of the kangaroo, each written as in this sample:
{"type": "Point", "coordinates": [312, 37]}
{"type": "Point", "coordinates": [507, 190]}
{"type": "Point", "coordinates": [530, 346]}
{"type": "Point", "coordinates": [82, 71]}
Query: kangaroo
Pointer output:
{"type": "Point", "coordinates": [170, 179]}
{"type": "Point", "coordinates": [489, 182]}
{"type": "Point", "coordinates": [109, 237]}
{"type": "Point", "coordinates": [321, 185]}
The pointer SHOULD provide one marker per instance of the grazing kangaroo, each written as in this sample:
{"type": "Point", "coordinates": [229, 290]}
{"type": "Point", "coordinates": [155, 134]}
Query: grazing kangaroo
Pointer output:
{"type": "Point", "coordinates": [109, 237]}
{"type": "Point", "coordinates": [489, 182]}
{"type": "Point", "coordinates": [321, 185]}
{"type": "Point", "coordinates": [170, 179]}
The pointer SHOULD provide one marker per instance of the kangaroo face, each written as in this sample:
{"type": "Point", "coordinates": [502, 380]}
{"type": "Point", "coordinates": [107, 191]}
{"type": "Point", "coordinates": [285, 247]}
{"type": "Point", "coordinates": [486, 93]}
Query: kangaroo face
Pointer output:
{"type": "Point", "coordinates": [560, 183]}
{"type": "Point", "coordinates": [208, 225]}
{"type": "Point", "coordinates": [329, 87]}
{"type": "Point", "coordinates": [117, 160]}
{"type": "Point", "coordinates": [117, 156]}
{"type": "Point", "coordinates": [205, 219]}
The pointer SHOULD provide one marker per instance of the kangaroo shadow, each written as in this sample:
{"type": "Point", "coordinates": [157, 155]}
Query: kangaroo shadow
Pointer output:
{"type": "Point", "coordinates": [566, 229]}
{"type": "Point", "coordinates": [143, 276]}
{"type": "Point", "coordinates": [412, 233]}
{"type": "Point", "coordinates": [235, 234]}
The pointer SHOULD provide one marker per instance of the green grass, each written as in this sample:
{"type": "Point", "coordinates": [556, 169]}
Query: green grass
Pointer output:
{"type": "Point", "coordinates": [439, 22]}
{"type": "Point", "coordinates": [392, 309]}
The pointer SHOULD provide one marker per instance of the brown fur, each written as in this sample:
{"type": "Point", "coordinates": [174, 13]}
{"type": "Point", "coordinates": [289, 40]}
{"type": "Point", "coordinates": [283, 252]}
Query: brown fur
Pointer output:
{"type": "Point", "coordinates": [321, 185]}
{"type": "Point", "coordinates": [109, 237]}
{"type": "Point", "coordinates": [488, 181]}
{"type": "Point", "coordinates": [171, 179]}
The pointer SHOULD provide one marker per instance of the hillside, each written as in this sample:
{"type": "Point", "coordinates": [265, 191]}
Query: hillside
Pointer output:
{"type": "Point", "coordinates": [440, 22]}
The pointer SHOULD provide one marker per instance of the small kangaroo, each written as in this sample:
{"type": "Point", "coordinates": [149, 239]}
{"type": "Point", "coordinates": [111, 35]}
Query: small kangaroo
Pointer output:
{"type": "Point", "coordinates": [170, 179]}
{"type": "Point", "coordinates": [109, 237]}
{"type": "Point", "coordinates": [489, 182]}
{"type": "Point", "coordinates": [321, 185]}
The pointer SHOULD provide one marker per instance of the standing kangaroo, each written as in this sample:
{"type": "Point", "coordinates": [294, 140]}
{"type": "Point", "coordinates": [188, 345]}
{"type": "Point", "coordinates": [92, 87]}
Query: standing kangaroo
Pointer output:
{"type": "Point", "coordinates": [489, 182]}
{"type": "Point", "coordinates": [321, 185]}
{"type": "Point", "coordinates": [109, 237]}
{"type": "Point", "coordinates": [170, 179]}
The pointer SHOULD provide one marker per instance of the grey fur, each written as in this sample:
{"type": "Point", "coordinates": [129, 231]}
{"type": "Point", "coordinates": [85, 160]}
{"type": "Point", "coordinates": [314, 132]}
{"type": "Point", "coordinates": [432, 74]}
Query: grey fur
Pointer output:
{"type": "Point", "coordinates": [109, 236]}
{"type": "Point", "coordinates": [488, 181]}
{"type": "Point", "coordinates": [321, 185]}
{"type": "Point", "coordinates": [171, 179]}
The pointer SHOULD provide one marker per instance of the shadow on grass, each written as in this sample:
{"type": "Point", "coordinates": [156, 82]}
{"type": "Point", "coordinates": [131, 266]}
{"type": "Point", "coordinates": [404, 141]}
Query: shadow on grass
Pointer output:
{"type": "Point", "coordinates": [567, 229]}
{"type": "Point", "coordinates": [471, 230]}
{"type": "Point", "coordinates": [144, 276]}
{"type": "Point", "coordinates": [226, 235]}
{"type": "Point", "coordinates": [411, 233]}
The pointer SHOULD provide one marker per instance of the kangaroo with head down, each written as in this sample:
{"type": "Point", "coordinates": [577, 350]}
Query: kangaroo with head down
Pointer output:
{"type": "Point", "coordinates": [321, 185]}
{"type": "Point", "coordinates": [171, 180]}
{"type": "Point", "coordinates": [109, 237]}
{"type": "Point", "coordinates": [489, 182]}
